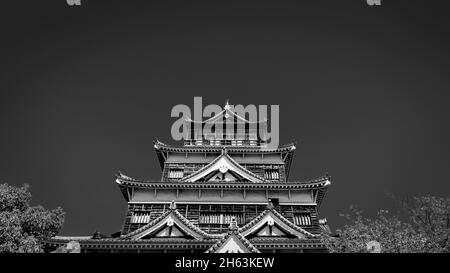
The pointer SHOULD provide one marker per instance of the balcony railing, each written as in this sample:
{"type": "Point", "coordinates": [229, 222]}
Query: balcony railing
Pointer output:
{"type": "Point", "coordinates": [225, 142]}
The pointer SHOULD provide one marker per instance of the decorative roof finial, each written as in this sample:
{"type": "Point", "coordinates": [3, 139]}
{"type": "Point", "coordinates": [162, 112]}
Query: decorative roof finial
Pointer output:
{"type": "Point", "coordinates": [227, 106]}
{"type": "Point", "coordinates": [233, 224]}
{"type": "Point", "coordinates": [269, 205]}
{"type": "Point", "coordinates": [172, 205]}
{"type": "Point", "coordinates": [97, 235]}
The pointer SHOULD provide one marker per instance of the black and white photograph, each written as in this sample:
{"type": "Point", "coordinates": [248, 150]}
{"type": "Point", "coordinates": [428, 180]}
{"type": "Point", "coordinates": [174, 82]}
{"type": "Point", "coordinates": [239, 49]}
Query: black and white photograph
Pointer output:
{"type": "Point", "coordinates": [201, 129]}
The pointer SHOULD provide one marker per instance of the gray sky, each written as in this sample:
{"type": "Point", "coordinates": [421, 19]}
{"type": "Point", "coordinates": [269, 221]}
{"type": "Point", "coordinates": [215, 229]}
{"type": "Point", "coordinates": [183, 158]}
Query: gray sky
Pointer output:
{"type": "Point", "coordinates": [85, 90]}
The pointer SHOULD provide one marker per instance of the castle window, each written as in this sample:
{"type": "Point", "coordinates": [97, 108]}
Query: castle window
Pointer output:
{"type": "Point", "coordinates": [236, 142]}
{"type": "Point", "coordinates": [199, 142]}
{"type": "Point", "coordinates": [219, 218]}
{"type": "Point", "coordinates": [302, 219]}
{"type": "Point", "coordinates": [176, 173]}
{"type": "Point", "coordinates": [140, 218]}
{"type": "Point", "coordinates": [272, 175]}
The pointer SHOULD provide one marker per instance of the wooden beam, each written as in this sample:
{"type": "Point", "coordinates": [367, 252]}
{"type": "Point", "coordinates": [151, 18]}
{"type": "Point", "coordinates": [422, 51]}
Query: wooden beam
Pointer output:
{"type": "Point", "coordinates": [245, 193]}
{"type": "Point", "coordinates": [221, 193]}
{"type": "Point", "coordinates": [178, 193]}
{"type": "Point", "coordinates": [155, 193]}
{"type": "Point", "coordinates": [289, 194]}
{"type": "Point", "coordinates": [199, 193]}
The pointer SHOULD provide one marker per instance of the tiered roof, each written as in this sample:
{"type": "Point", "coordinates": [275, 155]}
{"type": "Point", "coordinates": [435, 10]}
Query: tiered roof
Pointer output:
{"type": "Point", "coordinates": [320, 184]}
{"type": "Point", "coordinates": [171, 229]}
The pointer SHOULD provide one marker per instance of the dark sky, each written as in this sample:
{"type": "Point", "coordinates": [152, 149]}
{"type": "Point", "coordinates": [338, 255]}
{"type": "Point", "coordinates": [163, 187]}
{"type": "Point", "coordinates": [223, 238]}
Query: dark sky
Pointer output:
{"type": "Point", "coordinates": [85, 90]}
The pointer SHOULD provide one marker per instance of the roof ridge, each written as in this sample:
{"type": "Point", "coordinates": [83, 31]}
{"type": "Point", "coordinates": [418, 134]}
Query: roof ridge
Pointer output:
{"type": "Point", "coordinates": [228, 111]}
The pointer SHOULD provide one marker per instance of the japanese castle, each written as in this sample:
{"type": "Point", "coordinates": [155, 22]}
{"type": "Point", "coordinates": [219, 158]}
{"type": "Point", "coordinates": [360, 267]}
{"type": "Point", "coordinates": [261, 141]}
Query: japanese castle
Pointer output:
{"type": "Point", "coordinates": [217, 195]}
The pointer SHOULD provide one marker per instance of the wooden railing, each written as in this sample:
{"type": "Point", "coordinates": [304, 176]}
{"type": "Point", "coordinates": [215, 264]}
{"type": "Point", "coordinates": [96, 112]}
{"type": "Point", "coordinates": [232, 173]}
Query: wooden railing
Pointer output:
{"type": "Point", "coordinates": [225, 142]}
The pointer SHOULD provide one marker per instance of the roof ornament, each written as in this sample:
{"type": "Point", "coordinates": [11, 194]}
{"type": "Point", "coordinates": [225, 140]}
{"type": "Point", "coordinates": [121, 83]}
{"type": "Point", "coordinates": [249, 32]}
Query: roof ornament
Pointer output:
{"type": "Point", "coordinates": [97, 235]}
{"type": "Point", "coordinates": [233, 224]}
{"type": "Point", "coordinates": [270, 205]}
{"type": "Point", "coordinates": [227, 106]}
{"type": "Point", "coordinates": [121, 175]}
{"type": "Point", "coordinates": [170, 222]}
{"type": "Point", "coordinates": [223, 169]}
{"type": "Point", "coordinates": [172, 206]}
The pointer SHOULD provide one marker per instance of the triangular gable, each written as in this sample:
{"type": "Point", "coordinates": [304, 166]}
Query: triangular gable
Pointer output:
{"type": "Point", "coordinates": [218, 175]}
{"type": "Point", "coordinates": [169, 224]}
{"type": "Point", "coordinates": [232, 245]}
{"type": "Point", "coordinates": [169, 231]}
{"type": "Point", "coordinates": [233, 242]}
{"type": "Point", "coordinates": [227, 166]}
{"type": "Point", "coordinates": [270, 230]}
{"type": "Point", "coordinates": [272, 223]}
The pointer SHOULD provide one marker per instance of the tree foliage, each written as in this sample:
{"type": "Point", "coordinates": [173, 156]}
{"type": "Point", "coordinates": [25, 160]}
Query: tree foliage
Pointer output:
{"type": "Point", "coordinates": [426, 228]}
{"type": "Point", "coordinates": [23, 227]}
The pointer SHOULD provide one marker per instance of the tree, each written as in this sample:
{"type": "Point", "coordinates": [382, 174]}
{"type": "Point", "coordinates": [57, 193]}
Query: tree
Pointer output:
{"type": "Point", "coordinates": [22, 227]}
{"type": "Point", "coordinates": [426, 228]}
{"type": "Point", "coordinates": [392, 234]}
{"type": "Point", "coordinates": [430, 215]}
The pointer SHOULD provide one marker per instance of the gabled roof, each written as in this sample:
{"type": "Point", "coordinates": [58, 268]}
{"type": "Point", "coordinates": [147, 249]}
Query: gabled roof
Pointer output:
{"type": "Point", "coordinates": [170, 218]}
{"type": "Point", "coordinates": [272, 217]}
{"type": "Point", "coordinates": [319, 184]}
{"type": "Point", "coordinates": [233, 242]}
{"type": "Point", "coordinates": [227, 113]}
{"type": "Point", "coordinates": [223, 163]}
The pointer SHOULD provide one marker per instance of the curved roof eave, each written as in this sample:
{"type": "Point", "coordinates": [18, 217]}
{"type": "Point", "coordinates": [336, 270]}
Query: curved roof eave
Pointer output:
{"type": "Point", "coordinates": [322, 182]}
{"type": "Point", "coordinates": [160, 146]}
